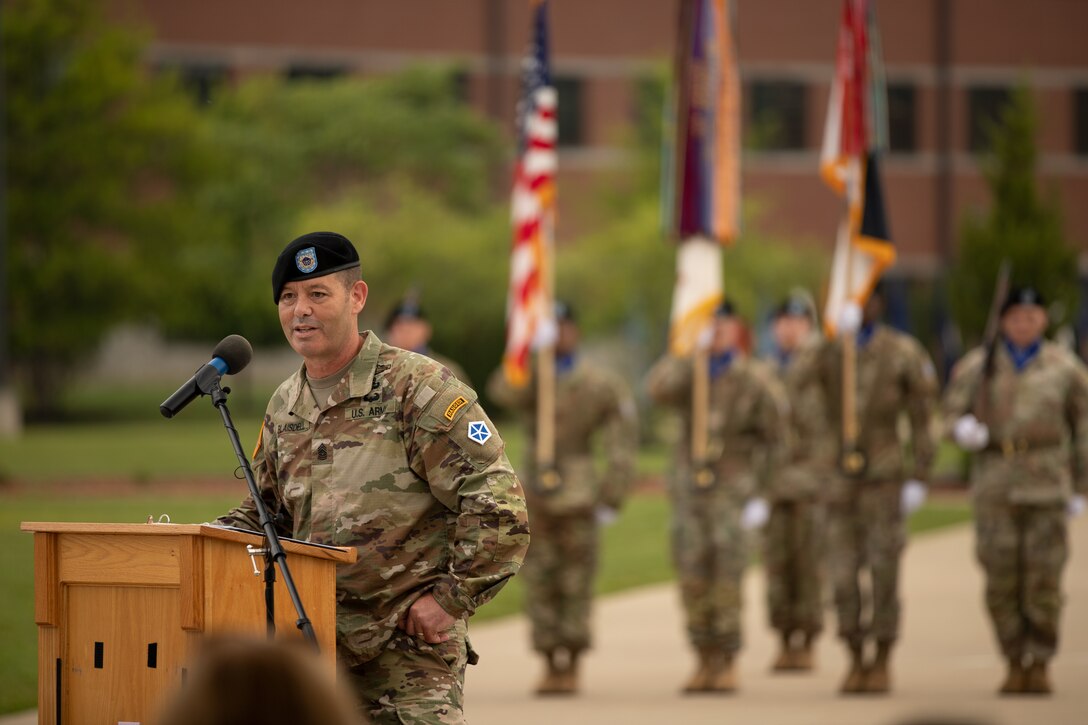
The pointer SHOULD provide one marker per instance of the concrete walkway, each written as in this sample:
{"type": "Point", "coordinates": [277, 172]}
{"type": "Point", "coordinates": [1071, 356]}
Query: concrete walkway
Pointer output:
{"type": "Point", "coordinates": [945, 671]}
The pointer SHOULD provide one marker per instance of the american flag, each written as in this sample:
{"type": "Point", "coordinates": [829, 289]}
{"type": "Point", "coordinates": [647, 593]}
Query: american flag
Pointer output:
{"type": "Point", "coordinates": [530, 320]}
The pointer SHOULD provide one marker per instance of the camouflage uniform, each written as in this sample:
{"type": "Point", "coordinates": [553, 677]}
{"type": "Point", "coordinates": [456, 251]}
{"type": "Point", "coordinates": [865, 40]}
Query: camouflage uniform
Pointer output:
{"type": "Point", "coordinates": [1037, 457]}
{"type": "Point", "coordinates": [454, 366]}
{"type": "Point", "coordinates": [590, 403]}
{"type": "Point", "coordinates": [746, 419]}
{"type": "Point", "coordinates": [866, 528]}
{"type": "Point", "coordinates": [793, 538]}
{"type": "Point", "coordinates": [396, 462]}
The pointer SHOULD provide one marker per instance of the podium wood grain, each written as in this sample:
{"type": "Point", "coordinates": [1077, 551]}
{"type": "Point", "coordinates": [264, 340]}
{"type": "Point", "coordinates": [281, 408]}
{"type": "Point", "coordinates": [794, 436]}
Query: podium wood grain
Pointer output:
{"type": "Point", "coordinates": [120, 609]}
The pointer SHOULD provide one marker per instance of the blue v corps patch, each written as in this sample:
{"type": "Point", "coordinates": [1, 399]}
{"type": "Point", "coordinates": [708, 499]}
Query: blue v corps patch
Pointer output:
{"type": "Point", "coordinates": [479, 432]}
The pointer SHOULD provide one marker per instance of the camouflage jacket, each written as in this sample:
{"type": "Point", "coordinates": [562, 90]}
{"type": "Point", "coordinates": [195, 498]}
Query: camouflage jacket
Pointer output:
{"type": "Point", "coordinates": [403, 464]}
{"type": "Point", "coordinates": [748, 437]}
{"type": "Point", "coordinates": [591, 404]}
{"type": "Point", "coordinates": [1038, 421]}
{"type": "Point", "coordinates": [812, 455]}
{"type": "Point", "coordinates": [894, 377]}
{"type": "Point", "coordinates": [453, 365]}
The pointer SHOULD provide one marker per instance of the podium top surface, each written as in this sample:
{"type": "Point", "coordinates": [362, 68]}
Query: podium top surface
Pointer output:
{"type": "Point", "coordinates": [345, 555]}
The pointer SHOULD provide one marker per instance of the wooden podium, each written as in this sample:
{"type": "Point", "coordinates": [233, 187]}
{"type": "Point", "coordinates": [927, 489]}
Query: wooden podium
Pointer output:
{"type": "Point", "coordinates": [120, 608]}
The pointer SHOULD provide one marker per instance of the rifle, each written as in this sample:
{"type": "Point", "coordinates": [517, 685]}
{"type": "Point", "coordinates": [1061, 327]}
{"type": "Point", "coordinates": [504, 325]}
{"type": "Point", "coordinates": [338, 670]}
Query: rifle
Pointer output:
{"type": "Point", "coordinates": [981, 406]}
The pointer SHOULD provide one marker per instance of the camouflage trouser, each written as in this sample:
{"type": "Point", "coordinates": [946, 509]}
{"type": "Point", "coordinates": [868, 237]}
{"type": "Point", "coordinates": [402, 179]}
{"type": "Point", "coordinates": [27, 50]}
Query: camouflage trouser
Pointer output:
{"type": "Point", "coordinates": [558, 575]}
{"type": "Point", "coordinates": [793, 559]}
{"type": "Point", "coordinates": [709, 551]}
{"type": "Point", "coordinates": [866, 532]}
{"type": "Point", "coordinates": [1023, 550]}
{"type": "Point", "coordinates": [415, 682]}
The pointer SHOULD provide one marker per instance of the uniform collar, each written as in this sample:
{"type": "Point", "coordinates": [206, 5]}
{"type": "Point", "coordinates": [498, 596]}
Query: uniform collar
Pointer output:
{"type": "Point", "coordinates": [866, 333]}
{"type": "Point", "coordinates": [1021, 357]}
{"type": "Point", "coordinates": [721, 362]}
{"type": "Point", "coordinates": [358, 381]}
{"type": "Point", "coordinates": [564, 364]}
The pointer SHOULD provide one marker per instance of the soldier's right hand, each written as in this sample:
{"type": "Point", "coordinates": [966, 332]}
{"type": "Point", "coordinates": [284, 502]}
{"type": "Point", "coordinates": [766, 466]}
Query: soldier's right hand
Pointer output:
{"type": "Point", "coordinates": [849, 319]}
{"type": "Point", "coordinates": [427, 619]}
{"type": "Point", "coordinates": [1076, 506]}
{"type": "Point", "coordinates": [755, 514]}
{"type": "Point", "coordinates": [970, 434]}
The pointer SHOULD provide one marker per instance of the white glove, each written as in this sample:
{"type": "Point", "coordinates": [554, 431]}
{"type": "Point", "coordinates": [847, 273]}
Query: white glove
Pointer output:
{"type": "Point", "coordinates": [849, 321]}
{"type": "Point", "coordinates": [1076, 506]}
{"type": "Point", "coordinates": [605, 515]}
{"type": "Point", "coordinates": [970, 434]}
{"type": "Point", "coordinates": [912, 496]}
{"type": "Point", "coordinates": [755, 514]}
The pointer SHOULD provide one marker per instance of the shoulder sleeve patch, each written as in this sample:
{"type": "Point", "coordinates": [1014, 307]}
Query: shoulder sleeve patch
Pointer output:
{"type": "Point", "coordinates": [452, 409]}
{"type": "Point", "coordinates": [446, 406]}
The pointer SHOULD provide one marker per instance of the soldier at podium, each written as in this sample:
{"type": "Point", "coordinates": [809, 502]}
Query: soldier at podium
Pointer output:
{"type": "Point", "coordinates": [375, 447]}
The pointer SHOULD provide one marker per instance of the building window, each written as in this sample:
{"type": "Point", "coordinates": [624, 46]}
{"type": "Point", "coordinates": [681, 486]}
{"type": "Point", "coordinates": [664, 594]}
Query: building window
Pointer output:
{"type": "Point", "coordinates": [776, 119]}
{"type": "Point", "coordinates": [985, 107]}
{"type": "Point", "coordinates": [302, 72]}
{"type": "Point", "coordinates": [902, 118]}
{"type": "Point", "coordinates": [1080, 122]}
{"type": "Point", "coordinates": [570, 111]}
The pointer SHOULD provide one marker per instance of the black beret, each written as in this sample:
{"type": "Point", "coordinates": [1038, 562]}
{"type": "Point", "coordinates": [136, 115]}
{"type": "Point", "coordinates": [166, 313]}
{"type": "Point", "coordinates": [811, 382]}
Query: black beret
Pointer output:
{"type": "Point", "coordinates": [794, 306]}
{"type": "Point", "coordinates": [725, 309]}
{"type": "Point", "coordinates": [1022, 296]}
{"type": "Point", "coordinates": [312, 255]}
{"type": "Point", "coordinates": [564, 312]}
{"type": "Point", "coordinates": [407, 308]}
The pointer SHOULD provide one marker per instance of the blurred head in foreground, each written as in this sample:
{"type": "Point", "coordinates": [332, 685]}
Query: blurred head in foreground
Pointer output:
{"type": "Point", "coordinates": [251, 681]}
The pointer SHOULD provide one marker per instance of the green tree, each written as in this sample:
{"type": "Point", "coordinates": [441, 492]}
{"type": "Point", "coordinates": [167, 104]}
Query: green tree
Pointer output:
{"type": "Point", "coordinates": [291, 150]}
{"type": "Point", "coordinates": [1020, 226]}
{"type": "Point", "coordinates": [101, 171]}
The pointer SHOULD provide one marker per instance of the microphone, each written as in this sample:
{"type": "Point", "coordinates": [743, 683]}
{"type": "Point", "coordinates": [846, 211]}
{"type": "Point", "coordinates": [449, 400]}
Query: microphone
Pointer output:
{"type": "Point", "coordinates": [230, 356]}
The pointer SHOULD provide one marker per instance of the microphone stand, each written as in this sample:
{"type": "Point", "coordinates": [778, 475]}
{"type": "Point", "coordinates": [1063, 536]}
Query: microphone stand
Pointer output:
{"type": "Point", "coordinates": [274, 553]}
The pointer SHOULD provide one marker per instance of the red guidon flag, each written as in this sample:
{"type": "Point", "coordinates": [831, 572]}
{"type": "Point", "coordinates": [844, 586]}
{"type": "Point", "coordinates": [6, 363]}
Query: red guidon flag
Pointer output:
{"type": "Point", "coordinates": [849, 162]}
{"type": "Point", "coordinates": [530, 322]}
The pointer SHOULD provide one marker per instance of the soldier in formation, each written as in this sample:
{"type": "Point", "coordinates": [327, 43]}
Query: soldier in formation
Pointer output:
{"type": "Point", "coordinates": [793, 538]}
{"type": "Point", "coordinates": [867, 505]}
{"type": "Point", "coordinates": [716, 498]}
{"type": "Point", "coordinates": [569, 502]}
{"type": "Point", "coordinates": [408, 328]}
{"type": "Point", "coordinates": [1021, 407]}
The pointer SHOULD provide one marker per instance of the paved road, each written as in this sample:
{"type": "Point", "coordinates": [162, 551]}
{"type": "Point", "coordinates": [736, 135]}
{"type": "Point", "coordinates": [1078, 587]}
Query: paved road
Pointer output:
{"type": "Point", "coordinates": [945, 670]}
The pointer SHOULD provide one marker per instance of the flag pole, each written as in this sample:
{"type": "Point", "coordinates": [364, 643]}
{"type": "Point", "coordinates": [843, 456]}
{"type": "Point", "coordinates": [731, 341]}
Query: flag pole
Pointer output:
{"type": "Point", "coordinates": [700, 416]}
{"type": "Point", "coordinates": [853, 460]}
{"type": "Point", "coordinates": [545, 393]}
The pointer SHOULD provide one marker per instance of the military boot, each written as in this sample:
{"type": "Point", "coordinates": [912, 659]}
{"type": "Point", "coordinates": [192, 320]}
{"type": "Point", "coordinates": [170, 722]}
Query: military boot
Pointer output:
{"type": "Point", "coordinates": [1036, 680]}
{"type": "Point", "coordinates": [568, 682]}
{"type": "Point", "coordinates": [724, 677]}
{"type": "Point", "coordinates": [705, 671]}
{"type": "Point", "coordinates": [552, 682]}
{"type": "Point", "coordinates": [784, 662]}
{"type": "Point", "coordinates": [877, 679]}
{"type": "Point", "coordinates": [1015, 680]}
{"type": "Point", "coordinates": [802, 656]}
{"type": "Point", "coordinates": [855, 676]}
